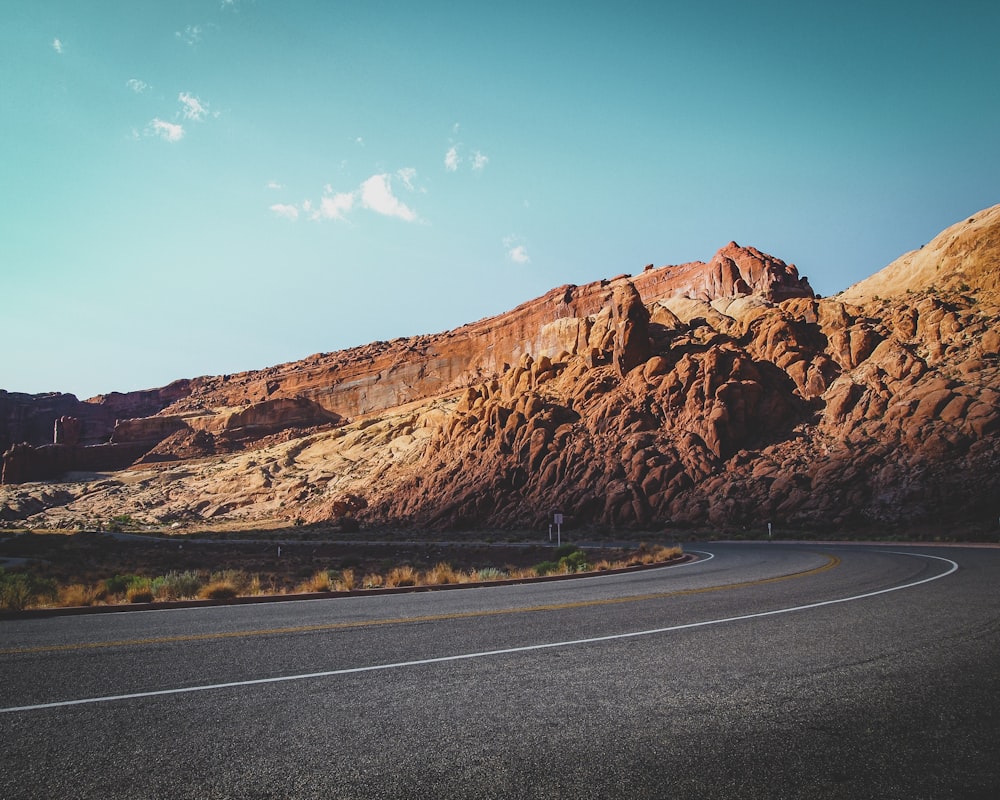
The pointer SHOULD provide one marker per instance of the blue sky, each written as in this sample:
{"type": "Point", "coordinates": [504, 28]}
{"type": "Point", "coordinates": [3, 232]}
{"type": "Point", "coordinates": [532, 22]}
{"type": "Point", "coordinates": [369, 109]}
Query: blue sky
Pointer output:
{"type": "Point", "coordinates": [200, 187]}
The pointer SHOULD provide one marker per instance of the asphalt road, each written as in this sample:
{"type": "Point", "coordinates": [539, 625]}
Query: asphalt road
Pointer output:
{"type": "Point", "coordinates": [763, 670]}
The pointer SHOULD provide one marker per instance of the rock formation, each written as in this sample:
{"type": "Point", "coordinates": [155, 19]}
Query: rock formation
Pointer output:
{"type": "Point", "coordinates": [721, 393]}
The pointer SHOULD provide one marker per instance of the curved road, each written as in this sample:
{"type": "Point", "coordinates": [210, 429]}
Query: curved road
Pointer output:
{"type": "Point", "coordinates": [761, 670]}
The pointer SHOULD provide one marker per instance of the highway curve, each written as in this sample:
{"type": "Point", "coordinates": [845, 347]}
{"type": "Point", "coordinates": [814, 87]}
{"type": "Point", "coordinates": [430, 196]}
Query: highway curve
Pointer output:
{"type": "Point", "coordinates": [761, 670]}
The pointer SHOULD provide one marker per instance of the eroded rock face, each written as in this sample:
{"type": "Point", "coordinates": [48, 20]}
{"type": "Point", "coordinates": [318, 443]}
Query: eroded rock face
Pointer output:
{"type": "Point", "coordinates": [721, 393]}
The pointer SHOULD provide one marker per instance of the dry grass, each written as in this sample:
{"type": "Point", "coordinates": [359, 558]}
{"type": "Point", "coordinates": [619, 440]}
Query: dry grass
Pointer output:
{"type": "Point", "coordinates": [76, 594]}
{"type": "Point", "coordinates": [235, 583]}
{"type": "Point", "coordinates": [345, 583]}
{"type": "Point", "coordinates": [402, 576]}
{"type": "Point", "coordinates": [441, 575]}
{"type": "Point", "coordinates": [373, 581]}
{"type": "Point", "coordinates": [219, 589]}
{"type": "Point", "coordinates": [319, 582]}
{"type": "Point", "coordinates": [139, 592]}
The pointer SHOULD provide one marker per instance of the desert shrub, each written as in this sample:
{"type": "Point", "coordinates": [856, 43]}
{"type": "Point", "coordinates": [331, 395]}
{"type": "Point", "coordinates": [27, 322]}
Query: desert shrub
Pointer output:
{"type": "Point", "coordinates": [219, 589]}
{"type": "Point", "coordinates": [76, 594]}
{"type": "Point", "coordinates": [564, 550]}
{"type": "Point", "coordinates": [140, 591]}
{"type": "Point", "coordinates": [546, 568]}
{"type": "Point", "coordinates": [401, 576]}
{"type": "Point", "coordinates": [652, 555]}
{"type": "Point", "coordinates": [490, 574]}
{"type": "Point", "coordinates": [372, 581]}
{"type": "Point", "coordinates": [177, 585]}
{"type": "Point", "coordinates": [319, 582]}
{"type": "Point", "coordinates": [442, 574]}
{"type": "Point", "coordinates": [574, 562]}
{"type": "Point", "coordinates": [236, 577]}
{"type": "Point", "coordinates": [119, 584]}
{"type": "Point", "coordinates": [121, 522]}
{"type": "Point", "coordinates": [344, 582]}
{"type": "Point", "coordinates": [521, 572]}
{"type": "Point", "coordinates": [18, 590]}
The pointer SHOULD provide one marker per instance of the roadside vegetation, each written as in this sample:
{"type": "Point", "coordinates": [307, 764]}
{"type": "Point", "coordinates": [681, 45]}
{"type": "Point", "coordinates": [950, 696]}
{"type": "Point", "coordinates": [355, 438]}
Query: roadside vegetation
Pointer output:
{"type": "Point", "coordinates": [20, 590]}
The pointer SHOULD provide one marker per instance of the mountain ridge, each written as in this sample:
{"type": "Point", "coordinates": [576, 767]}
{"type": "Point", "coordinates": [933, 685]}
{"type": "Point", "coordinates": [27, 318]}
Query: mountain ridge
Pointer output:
{"type": "Point", "coordinates": [722, 393]}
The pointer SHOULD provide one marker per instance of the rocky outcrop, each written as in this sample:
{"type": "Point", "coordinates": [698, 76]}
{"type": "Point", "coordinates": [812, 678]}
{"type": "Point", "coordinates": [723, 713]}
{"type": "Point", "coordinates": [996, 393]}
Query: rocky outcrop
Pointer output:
{"type": "Point", "coordinates": [721, 393]}
{"type": "Point", "coordinates": [23, 462]}
{"type": "Point", "coordinates": [32, 418]}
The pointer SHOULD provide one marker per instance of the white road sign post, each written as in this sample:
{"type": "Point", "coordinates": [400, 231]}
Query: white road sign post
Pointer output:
{"type": "Point", "coordinates": [558, 520]}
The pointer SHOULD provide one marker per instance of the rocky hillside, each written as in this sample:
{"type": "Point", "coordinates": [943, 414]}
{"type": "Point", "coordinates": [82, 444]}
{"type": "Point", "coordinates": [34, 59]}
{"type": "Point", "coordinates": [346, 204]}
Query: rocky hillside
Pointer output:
{"type": "Point", "coordinates": [721, 393]}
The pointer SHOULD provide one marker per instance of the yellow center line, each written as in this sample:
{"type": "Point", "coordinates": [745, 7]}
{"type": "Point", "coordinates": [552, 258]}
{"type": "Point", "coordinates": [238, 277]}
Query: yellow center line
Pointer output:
{"type": "Point", "coordinates": [832, 561]}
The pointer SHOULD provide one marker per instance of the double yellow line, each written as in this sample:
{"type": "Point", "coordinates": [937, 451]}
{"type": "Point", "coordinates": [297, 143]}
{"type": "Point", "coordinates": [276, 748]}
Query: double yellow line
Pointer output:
{"type": "Point", "coordinates": [832, 561]}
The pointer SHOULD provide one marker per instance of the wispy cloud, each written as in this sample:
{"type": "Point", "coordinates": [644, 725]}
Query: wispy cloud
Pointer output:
{"type": "Point", "coordinates": [191, 34]}
{"type": "Point", "coordinates": [192, 108]}
{"type": "Point", "coordinates": [453, 159]}
{"type": "Point", "coordinates": [137, 86]}
{"type": "Point", "coordinates": [57, 45]}
{"type": "Point", "coordinates": [376, 195]}
{"type": "Point", "coordinates": [516, 251]}
{"type": "Point", "coordinates": [407, 176]}
{"type": "Point", "coordinates": [165, 130]}
{"type": "Point", "coordinates": [285, 210]}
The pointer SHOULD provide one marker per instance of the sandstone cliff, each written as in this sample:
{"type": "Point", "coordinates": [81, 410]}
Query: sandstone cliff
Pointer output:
{"type": "Point", "coordinates": [716, 393]}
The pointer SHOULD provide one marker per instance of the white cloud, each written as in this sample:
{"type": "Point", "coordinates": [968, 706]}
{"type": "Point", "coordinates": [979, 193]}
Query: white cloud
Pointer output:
{"type": "Point", "coordinates": [57, 46]}
{"type": "Point", "coordinates": [285, 210]}
{"type": "Point", "coordinates": [406, 175]}
{"type": "Point", "coordinates": [376, 194]}
{"type": "Point", "coordinates": [193, 109]}
{"type": "Point", "coordinates": [453, 159]}
{"type": "Point", "coordinates": [519, 254]}
{"type": "Point", "coordinates": [137, 86]}
{"type": "Point", "coordinates": [516, 252]}
{"type": "Point", "coordinates": [165, 130]}
{"type": "Point", "coordinates": [191, 34]}
{"type": "Point", "coordinates": [335, 206]}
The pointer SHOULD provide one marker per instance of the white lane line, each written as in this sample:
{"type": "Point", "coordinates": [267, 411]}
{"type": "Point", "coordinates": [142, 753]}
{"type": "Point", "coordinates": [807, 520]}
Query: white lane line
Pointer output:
{"type": "Point", "coordinates": [488, 653]}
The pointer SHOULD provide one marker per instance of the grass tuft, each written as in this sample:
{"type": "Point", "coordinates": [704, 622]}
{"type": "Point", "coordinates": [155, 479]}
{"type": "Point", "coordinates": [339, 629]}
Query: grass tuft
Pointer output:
{"type": "Point", "coordinates": [76, 594]}
{"type": "Point", "coordinates": [219, 589]}
{"type": "Point", "coordinates": [319, 582]}
{"type": "Point", "coordinates": [442, 574]}
{"type": "Point", "coordinates": [401, 576]}
{"type": "Point", "coordinates": [139, 591]}
{"type": "Point", "coordinates": [345, 581]}
{"type": "Point", "coordinates": [373, 581]}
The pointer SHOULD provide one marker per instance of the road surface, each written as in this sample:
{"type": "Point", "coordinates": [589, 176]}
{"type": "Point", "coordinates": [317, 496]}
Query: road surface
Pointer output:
{"type": "Point", "coordinates": [762, 670]}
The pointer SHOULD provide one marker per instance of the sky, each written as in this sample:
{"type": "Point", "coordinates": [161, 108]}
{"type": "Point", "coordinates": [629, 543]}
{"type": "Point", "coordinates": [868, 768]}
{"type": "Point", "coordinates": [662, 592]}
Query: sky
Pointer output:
{"type": "Point", "coordinates": [202, 187]}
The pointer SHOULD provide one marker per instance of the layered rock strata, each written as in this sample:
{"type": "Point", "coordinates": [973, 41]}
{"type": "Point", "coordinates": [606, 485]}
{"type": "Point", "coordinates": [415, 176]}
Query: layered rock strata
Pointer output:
{"type": "Point", "coordinates": [721, 393]}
